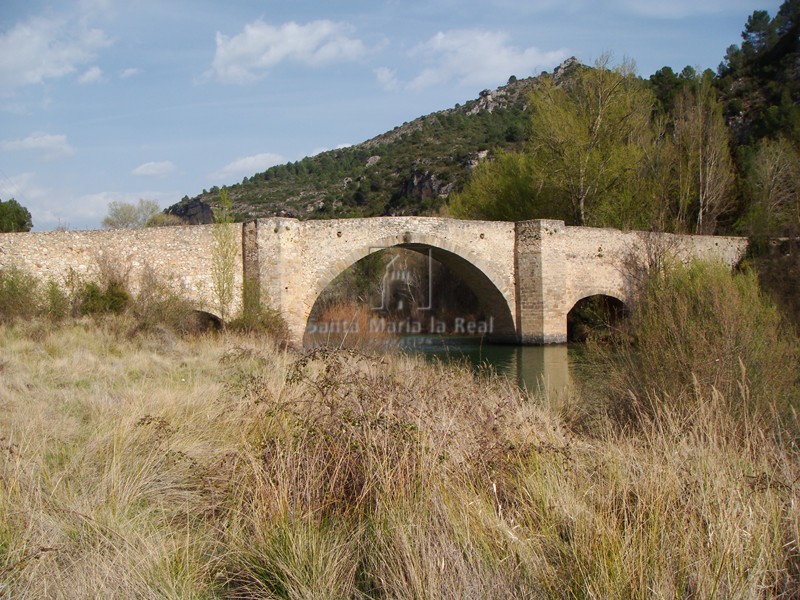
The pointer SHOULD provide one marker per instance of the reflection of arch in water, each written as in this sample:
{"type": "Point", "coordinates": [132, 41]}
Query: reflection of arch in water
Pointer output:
{"type": "Point", "coordinates": [476, 276]}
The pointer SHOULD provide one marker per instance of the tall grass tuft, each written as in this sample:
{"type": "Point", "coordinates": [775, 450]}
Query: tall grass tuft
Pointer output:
{"type": "Point", "coordinates": [695, 329]}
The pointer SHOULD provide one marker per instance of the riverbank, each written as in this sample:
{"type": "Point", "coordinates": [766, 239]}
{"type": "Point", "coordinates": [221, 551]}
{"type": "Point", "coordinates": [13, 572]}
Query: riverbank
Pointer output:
{"type": "Point", "coordinates": [139, 463]}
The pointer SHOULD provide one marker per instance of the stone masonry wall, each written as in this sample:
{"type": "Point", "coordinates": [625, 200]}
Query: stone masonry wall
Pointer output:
{"type": "Point", "coordinates": [533, 271]}
{"type": "Point", "coordinates": [179, 255]}
{"type": "Point", "coordinates": [585, 261]}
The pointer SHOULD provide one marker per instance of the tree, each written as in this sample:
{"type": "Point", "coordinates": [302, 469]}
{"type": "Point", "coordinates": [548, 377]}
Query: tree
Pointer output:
{"type": "Point", "coordinates": [666, 85]}
{"type": "Point", "coordinates": [705, 168]}
{"type": "Point", "coordinates": [588, 136]}
{"type": "Point", "coordinates": [507, 188]}
{"type": "Point", "coordinates": [773, 187]}
{"type": "Point", "coordinates": [223, 259]}
{"type": "Point", "coordinates": [14, 217]}
{"type": "Point", "coordinates": [591, 138]}
{"type": "Point", "coordinates": [124, 215]}
{"type": "Point", "coordinates": [161, 219]}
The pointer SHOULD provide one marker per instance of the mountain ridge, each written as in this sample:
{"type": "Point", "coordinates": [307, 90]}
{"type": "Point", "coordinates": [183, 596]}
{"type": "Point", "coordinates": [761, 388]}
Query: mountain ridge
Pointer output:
{"type": "Point", "coordinates": [408, 170]}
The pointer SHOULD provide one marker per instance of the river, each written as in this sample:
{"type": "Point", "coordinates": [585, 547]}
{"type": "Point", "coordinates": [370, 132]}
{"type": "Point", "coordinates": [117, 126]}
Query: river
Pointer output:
{"type": "Point", "coordinates": [531, 367]}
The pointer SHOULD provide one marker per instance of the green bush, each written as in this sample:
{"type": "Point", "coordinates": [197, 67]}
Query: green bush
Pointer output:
{"type": "Point", "coordinates": [57, 303]}
{"type": "Point", "coordinates": [19, 294]}
{"type": "Point", "coordinates": [97, 299]}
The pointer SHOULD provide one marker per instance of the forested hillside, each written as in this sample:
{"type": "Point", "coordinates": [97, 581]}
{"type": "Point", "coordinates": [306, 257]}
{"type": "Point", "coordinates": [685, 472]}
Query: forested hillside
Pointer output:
{"type": "Point", "coordinates": [698, 152]}
{"type": "Point", "coordinates": [409, 170]}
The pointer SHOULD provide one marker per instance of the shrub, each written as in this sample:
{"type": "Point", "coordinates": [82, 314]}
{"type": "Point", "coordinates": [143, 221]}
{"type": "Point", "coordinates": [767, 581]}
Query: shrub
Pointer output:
{"type": "Point", "coordinates": [97, 299]}
{"type": "Point", "coordinates": [696, 328]}
{"type": "Point", "coordinates": [261, 319]}
{"type": "Point", "coordinates": [18, 294]}
{"type": "Point", "coordinates": [157, 303]}
{"type": "Point", "coordinates": [57, 303]}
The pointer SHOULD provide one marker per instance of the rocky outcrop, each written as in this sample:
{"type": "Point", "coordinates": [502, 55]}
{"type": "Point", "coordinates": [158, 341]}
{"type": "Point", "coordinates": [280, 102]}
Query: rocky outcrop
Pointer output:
{"type": "Point", "coordinates": [424, 184]}
{"type": "Point", "coordinates": [193, 212]}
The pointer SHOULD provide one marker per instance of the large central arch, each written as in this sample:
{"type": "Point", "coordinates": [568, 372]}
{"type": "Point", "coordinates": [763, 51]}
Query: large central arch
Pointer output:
{"type": "Point", "coordinates": [491, 300]}
{"type": "Point", "coordinates": [297, 260]}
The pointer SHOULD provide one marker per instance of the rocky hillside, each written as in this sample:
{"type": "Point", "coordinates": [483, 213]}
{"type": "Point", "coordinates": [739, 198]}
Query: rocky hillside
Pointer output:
{"type": "Point", "coordinates": [409, 170]}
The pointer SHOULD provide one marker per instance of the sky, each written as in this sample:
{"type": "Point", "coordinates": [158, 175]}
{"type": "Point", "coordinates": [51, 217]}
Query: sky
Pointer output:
{"type": "Point", "coordinates": [120, 100]}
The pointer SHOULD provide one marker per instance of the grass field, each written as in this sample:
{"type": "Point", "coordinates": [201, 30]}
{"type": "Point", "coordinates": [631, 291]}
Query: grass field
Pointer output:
{"type": "Point", "coordinates": [143, 464]}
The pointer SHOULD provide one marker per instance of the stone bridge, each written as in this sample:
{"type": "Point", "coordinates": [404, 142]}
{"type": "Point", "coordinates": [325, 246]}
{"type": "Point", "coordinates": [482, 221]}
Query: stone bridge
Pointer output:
{"type": "Point", "coordinates": [526, 275]}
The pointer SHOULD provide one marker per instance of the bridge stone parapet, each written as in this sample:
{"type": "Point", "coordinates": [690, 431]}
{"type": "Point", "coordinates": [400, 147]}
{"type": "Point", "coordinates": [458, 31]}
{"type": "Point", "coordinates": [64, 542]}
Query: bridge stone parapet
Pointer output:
{"type": "Point", "coordinates": [527, 275]}
{"type": "Point", "coordinates": [181, 256]}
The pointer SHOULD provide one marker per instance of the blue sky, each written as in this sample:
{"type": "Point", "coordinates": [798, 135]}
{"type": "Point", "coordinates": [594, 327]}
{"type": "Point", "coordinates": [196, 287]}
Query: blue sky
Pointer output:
{"type": "Point", "coordinates": [104, 100]}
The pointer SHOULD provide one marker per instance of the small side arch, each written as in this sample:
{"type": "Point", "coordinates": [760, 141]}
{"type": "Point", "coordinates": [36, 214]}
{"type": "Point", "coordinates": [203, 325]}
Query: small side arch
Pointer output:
{"type": "Point", "coordinates": [595, 313]}
{"type": "Point", "coordinates": [199, 320]}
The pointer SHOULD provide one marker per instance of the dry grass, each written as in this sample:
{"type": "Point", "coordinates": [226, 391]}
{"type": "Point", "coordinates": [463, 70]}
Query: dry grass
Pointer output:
{"type": "Point", "coordinates": [348, 324]}
{"type": "Point", "coordinates": [152, 466]}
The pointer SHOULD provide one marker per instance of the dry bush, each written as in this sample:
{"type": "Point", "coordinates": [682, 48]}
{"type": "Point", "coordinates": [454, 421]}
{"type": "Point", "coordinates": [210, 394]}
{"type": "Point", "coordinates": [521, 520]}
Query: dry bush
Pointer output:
{"type": "Point", "coordinates": [699, 328]}
{"type": "Point", "coordinates": [348, 324]}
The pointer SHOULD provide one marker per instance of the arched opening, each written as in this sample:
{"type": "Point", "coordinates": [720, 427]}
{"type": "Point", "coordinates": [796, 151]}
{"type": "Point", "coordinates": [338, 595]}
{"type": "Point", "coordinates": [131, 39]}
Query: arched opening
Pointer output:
{"type": "Point", "coordinates": [408, 290]}
{"type": "Point", "coordinates": [200, 321]}
{"type": "Point", "coordinates": [596, 315]}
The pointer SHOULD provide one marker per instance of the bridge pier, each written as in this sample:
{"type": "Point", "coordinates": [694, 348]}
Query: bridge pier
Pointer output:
{"type": "Point", "coordinates": [540, 269]}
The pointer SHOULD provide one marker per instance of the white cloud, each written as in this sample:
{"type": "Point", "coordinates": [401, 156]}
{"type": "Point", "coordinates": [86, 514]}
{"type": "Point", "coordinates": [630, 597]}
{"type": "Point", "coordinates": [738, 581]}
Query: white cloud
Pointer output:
{"type": "Point", "coordinates": [20, 186]}
{"type": "Point", "coordinates": [46, 207]}
{"type": "Point", "coordinates": [129, 72]}
{"type": "Point", "coordinates": [322, 149]}
{"type": "Point", "coordinates": [477, 57]}
{"type": "Point", "coordinates": [247, 56]}
{"type": "Point", "coordinates": [249, 165]}
{"type": "Point", "coordinates": [46, 48]}
{"type": "Point", "coordinates": [93, 75]}
{"type": "Point", "coordinates": [387, 78]}
{"type": "Point", "coordinates": [49, 146]}
{"type": "Point", "coordinates": [154, 169]}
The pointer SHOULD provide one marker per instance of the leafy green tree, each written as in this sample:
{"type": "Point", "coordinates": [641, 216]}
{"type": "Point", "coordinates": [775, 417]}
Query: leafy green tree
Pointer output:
{"type": "Point", "coordinates": [508, 188]}
{"type": "Point", "coordinates": [14, 217]}
{"type": "Point", "coordinates": [600, 155]}
{"type": "Point", "coordinates": [760, 78]}
{"type": "Point", "coordinates": [587, 136]}
{"type": "Point", "coordinates": [666, 86]}
{"type": "Point", "coordinates": [125, 215]}
{"type": "Point", "coordinates": [590, 138]}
